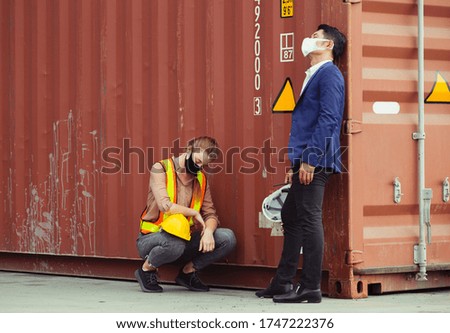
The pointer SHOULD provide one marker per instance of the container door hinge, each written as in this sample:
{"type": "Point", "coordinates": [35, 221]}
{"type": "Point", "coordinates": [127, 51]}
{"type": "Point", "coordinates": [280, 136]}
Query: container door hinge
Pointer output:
{"type": "Point", "coordinates": [445, 190]}
{"type": "Point", "coordinates": [427, 195]}
{"type": "Point", "coordinates": [352, 126]}
{"type": "Point", "coordinates": [353, 257]}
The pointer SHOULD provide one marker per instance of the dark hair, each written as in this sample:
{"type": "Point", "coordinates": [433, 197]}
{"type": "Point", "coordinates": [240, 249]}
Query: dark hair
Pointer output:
{"type": "Point", "coordinates": [337, 37]}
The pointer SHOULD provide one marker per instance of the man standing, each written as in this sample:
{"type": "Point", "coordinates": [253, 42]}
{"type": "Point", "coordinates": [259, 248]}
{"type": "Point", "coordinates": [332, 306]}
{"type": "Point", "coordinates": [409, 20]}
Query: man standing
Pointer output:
{"type": "Point", "coordinates": [314, 153]}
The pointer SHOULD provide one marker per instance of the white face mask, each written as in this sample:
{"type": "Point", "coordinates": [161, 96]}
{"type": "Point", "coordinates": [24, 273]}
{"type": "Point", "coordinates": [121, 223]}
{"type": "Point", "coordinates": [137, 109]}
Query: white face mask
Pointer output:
{"type": "Point", "coordinates": [310, 45]}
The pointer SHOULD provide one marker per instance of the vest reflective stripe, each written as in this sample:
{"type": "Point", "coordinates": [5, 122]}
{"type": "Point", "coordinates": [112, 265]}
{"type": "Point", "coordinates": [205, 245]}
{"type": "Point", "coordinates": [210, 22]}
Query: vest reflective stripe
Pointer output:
{"type": "Point", "coordinates": [171, 181]}
{"type": "Point", "coordinates": [171, 185]}
{"type": "Point", "coordinates": [197, 198]}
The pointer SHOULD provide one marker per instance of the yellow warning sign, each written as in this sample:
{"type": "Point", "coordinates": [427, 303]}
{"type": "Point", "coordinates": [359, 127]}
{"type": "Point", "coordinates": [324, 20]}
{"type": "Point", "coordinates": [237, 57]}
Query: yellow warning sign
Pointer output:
{"type": "Point", "coordinates": [287, 8]}
{"type": "Point", "coordinates": [285, 102]}
{"type": "Point", "coordinates": [440, 92]}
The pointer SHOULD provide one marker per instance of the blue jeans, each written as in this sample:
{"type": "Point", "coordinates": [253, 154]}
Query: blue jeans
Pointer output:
{"type": "Point", "coordinates": [162, 248]}
{"type": "Point", "coordinates": [302, 224]}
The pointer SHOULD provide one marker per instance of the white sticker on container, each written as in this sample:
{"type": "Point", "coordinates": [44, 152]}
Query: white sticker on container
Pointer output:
{"type": "Point", "coordinates": [287, 47]}
{"type": "Point", "coordinates": [386, 107]}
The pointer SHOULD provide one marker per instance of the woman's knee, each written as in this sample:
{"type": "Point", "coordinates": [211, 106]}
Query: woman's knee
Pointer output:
{"type": "Point", "coordinates": [225, 237]}
{"type": "Point", "coordinates": [166, 249]}
{"type": "Point", "coordinates": [174, 245]}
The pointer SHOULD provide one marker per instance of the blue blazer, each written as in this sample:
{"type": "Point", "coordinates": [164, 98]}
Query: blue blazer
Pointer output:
{"type": "Point", "coordinates": [316, 120]}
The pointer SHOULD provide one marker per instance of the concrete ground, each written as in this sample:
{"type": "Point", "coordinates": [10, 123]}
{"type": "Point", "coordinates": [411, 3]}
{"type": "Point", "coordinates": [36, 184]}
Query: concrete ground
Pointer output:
{"type": "Point", "coordinates": [38, 293]}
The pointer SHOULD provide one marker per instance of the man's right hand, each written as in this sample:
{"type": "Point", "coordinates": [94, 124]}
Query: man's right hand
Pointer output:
{"type": "Point", "coordinates": [288, 177]}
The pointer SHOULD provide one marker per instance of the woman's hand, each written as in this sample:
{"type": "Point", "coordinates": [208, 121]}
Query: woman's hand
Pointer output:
{"type": "Point", "coordinates": [198, 217]}
{"type": "Point", "coordinates": [207, 243]}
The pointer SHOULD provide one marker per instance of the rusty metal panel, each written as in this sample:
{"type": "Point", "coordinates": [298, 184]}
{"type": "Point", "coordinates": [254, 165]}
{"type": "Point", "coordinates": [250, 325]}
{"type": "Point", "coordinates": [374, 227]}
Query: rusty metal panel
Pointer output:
{"type": "Point", "coordinates": [96, 91]}
{"type": "Point", "coordinates": [93, 92]}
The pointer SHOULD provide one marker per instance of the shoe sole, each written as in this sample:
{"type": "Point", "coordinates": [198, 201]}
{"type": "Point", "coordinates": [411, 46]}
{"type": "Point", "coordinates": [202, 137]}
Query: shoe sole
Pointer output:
{"type": "Point", "coordinates": [141, 284]}
{"type": "Point", "coordinates": [272, 295]}
{"type": "Point", "coordinates": [266, 295]}
{"type": "Point", "coordinates": [304, 300]}
{"type": "Point", "coordinates": [300, 302]}
{"type": "Point", "coordinates": [181, 283]}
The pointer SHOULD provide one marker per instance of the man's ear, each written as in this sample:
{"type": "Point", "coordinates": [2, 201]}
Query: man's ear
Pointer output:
{"type": "Point", "coordinates": [330, 44]}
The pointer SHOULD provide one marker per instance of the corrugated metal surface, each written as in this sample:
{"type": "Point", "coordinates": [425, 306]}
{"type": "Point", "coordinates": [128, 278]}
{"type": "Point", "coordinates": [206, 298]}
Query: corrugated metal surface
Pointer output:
{"type": "Point", "coordinates": [90, 84]}
{"type": "Point", "coordinates": [94, 91]}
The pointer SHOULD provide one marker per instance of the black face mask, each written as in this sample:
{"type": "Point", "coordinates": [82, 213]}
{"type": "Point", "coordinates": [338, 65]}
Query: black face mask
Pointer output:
{"type": "Point", "coordinates": [191, 167]}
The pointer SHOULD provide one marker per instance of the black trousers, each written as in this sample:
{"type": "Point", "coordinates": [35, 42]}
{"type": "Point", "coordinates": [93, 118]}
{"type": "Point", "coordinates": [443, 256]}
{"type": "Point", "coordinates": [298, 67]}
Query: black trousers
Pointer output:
{"type": "Point", "coordinates": [301, 216]}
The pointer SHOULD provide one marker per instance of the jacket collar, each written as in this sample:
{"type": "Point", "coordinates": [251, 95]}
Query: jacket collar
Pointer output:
{"type": "Point", "coordinates": [316, 70]}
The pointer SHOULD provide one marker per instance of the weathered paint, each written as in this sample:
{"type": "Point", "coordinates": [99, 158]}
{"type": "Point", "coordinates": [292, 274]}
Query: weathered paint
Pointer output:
{"type": "Point", "coordinates": [89, 84]}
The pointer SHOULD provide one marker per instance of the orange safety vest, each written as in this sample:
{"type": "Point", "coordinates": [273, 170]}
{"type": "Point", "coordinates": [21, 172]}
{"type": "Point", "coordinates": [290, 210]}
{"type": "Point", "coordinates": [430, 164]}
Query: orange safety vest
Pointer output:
{"type": "Point", "coordinates": [171, 185]}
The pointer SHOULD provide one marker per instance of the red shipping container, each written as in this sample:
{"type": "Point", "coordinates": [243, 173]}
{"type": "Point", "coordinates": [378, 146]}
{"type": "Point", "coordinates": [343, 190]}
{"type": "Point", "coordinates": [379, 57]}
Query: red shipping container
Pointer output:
{"type": "Point", "coordinates": [94, 92]}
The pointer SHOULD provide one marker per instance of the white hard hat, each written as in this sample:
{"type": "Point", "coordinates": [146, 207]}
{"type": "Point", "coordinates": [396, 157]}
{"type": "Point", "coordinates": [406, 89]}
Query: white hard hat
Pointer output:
{"type": "Point", "coordinates": [272, 204]}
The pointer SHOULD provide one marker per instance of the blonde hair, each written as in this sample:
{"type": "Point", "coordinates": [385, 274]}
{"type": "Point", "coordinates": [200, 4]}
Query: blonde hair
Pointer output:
{"type": "Point", "coordinates": [206, 143]}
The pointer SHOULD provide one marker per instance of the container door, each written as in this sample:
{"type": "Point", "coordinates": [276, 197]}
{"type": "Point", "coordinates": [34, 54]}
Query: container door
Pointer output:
{"type": "Point", "coordinates": [384, 165]}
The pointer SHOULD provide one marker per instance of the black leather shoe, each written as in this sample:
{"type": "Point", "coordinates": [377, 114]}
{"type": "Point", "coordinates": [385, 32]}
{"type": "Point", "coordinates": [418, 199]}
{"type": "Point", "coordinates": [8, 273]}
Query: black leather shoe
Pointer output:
{"type": "Point", "coordinates": [274, 288]}
{"type": "Point", "coordinates": [300, 295]}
